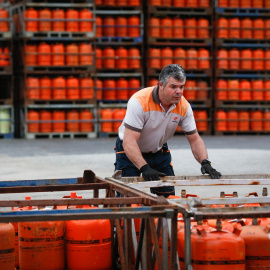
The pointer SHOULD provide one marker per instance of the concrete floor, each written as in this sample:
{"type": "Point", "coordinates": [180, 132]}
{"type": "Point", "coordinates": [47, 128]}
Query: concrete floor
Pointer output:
{"type": "Point", "coordinates": [22, 159]}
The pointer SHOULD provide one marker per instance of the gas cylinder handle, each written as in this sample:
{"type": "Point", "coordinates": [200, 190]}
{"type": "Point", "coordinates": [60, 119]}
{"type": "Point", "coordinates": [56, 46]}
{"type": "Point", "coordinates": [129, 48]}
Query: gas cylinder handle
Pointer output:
{"type": "Point", "coordinates": [191, 195]}
{"type": "Point", "coordinates": [255, 194]}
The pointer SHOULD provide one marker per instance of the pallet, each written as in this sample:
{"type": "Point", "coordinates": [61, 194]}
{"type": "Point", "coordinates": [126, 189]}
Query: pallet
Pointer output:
{"type": "Point", "coordinates": [7, 101]}
{"type": "Point", "coordinates": [258, 74]}
{"type": "Point", "coordinates": [7, 136]}
{"type": "Point", "coordinates": [6, 70]}
{"type": "Point", "coordinates": [241, 133]}
{"type": "Point", "coordinates": [225, 103]}
{"type": "Point", "coordinates": [180, 10]}
{"type": "Point", "coordinates": [59, 69]}
{"type": "Point", "coordinates": [107, 134]}
{"type": "Point", "coordinates": [180, 41]}
{"type": "Point", "coordinates": [190, 73]}
{"type": "Point", "coordinates": [119, 39]}
{"type": "Point", "coordinates": [58, 35]}
{"type": "Point", "coordinates": [243, 43]}
{"type": "Point", "coordinates": [5, 35]}
{"type": "Point", "coordinates": [58, 101]}
{"type": "Point", "coordinates": [63, 135]}
{"type": "Point", "coordinates": [243, 11]}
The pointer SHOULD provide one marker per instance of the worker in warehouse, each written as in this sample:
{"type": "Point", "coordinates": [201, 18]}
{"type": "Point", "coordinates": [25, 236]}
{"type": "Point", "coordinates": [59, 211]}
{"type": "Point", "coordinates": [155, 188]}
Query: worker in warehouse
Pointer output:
{"type": "Point", "coordinates": [152, 117]}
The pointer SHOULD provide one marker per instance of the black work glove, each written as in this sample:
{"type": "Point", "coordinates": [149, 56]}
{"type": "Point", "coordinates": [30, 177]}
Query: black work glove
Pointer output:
{"type": "Point", "coordinates": [150, 174]}
{"type": "Point", "coordinates": [207, 168]}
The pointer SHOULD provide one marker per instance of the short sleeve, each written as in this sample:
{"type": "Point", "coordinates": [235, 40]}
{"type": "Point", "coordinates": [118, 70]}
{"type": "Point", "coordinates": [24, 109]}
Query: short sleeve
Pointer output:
{"type": "Point", "coordinates": [188, 124]}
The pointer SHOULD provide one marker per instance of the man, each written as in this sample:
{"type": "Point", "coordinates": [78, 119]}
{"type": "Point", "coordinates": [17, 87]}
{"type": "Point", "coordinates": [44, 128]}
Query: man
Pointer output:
{"type": "Point", "coordinates": [152, 117]}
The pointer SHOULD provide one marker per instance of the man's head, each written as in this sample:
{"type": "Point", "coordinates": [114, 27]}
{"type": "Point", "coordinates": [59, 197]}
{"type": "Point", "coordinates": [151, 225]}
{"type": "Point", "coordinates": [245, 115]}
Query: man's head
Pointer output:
{"type": "Point", "coordinates": [171, 84]}
{"type": "Point", "coordinates": [173, 70]}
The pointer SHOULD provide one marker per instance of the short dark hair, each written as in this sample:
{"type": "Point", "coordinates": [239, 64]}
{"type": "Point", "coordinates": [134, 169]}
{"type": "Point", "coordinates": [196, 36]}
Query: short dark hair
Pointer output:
{"type": "Point", "coordinates": [173, 70]}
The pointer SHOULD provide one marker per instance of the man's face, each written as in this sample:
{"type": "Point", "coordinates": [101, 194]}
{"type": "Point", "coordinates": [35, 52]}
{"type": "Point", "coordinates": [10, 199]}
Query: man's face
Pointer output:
{"type": "Point", "coordinates": [172, 92]}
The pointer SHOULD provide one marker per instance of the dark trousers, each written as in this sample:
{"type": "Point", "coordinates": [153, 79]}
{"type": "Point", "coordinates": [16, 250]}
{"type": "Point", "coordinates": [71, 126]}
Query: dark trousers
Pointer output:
{"type": "Point", "coordinates": [160, 161]}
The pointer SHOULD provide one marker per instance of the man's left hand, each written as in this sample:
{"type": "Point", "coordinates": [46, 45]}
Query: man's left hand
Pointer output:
{"type": "Point", "coordinates": [207, 168]}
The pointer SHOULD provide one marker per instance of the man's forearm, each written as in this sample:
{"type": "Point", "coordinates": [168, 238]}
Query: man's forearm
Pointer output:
{"type": "Point", "coordinates": [199, 150]}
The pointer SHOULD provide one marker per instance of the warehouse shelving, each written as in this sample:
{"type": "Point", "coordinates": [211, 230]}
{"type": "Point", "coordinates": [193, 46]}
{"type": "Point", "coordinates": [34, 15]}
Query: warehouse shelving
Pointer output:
{"type": "Point", "coordinates": [240, 41]}
{"type": "Point", "coordinates": [181, 44]}
{"type": "Point", "coordinates": [62, 44]}
{"type": "Point", "coordinates": [6, 72]}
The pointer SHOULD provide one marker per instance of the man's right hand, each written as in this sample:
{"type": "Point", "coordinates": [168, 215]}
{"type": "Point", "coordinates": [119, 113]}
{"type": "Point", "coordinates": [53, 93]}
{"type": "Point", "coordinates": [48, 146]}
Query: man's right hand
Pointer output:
{"type": "Point", "coordinates": [150, 174]}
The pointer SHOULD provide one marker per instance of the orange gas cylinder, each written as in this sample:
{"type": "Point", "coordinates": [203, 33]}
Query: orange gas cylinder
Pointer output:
{"type": "Point", "coordinates": [134, 56]}
{"type": "Point", "coordinates": [72, 23]}
{"type": "Point", "coordinates": [246, 28]}
{"type": "Point", "coordinates": [203, 3]}
{"type": "Point", "coordinates": [122, 89]}
{"type": "Point", "coordinates": [166, 3]}
{"type": "Point", "coordinates": [203, 59]}
{"type": "Point", "coordinates": [121, 2]}
{"type": "Point", "coordinates": [87, 88]}
{"type": "Point", "coordinates": [267, 29]}
{"type": "Point", "coordinates": [192, 59]}
{"type": "Point", "coordinates": [190, 28]}
{"type": "Point", "coordinates": [257, 89]}
{"type": "Point", "coordinates": [166, 30]}
{"type": "Point", "coordinates": [109, 26]}
{"type": "Point", "coordinates": [17, 263]}
{"type": "Point", "coordinates": [266, 122]}
{"type": "Point", "coordinates": [222, 86]}
{"type": "Point", "coordinates": [86, 57]}
{"type": "Point", "coordinates": [87, 116]}
{"type": "Point", "coordinates": [4, 27]}
{"type": "Point", "coordinates": [257, 4]}
{"type": "Point", "coordinates": [222, 62]}
{"type": "Point", "coordinates": [4, 57]}
{"type": "Point", "coordinates": [234, 59]}
{"type": "Point", "coordinates": [118, 115]}
{"type": "Point", "coordinates": [221, 119]}
{"type": "Point", "coordinates": [58, 54]}
{"type": "Point", "coordinates": [72, 54]}
{"type": "Point", "coordinates": [256, 120]}
{"type": "Point", "coordinates": [267, 60]}
{"type": "Point", "coordinates": [32, 84]}
{"type": "Point", "coordinates": [155, 2]}
{"type": "Point", "coordinates": [32, 25]}
{"type": "Point", "coordinates": [179, 3]}
{"type": "Point", "coordinates": [223, 31]}
{"type": "Point", "coordinates": [60, 117]}
{"type": "Point", "coordinates": [258, 29]}
{"type": "Point", "coordinates": [45, 88]}
{"type": "Point", "coordinates": [245, 90]}
{"type": "Point", "coordinates": [134, 85]}
{"type": "Point", "coordinates": [121, 58]}
{"type": "Point", "coordinates": [134, 26]}
{"type": "Point", "coordinates": [99, 89]}
{"type": "Point", "coordinates": [202, 90]}
{"type": "Point", "coordinates": [218, 249]}
{"type": "Point", "coordinates": [59, 88]}
{"type": "Point", "coordinates": [256, 243]}
{"type": "Point", "coordinates": [266, 4]}
{"type": "Point", "coordinates": [180, 57]}
{"type": "Point", "coordinates": [191, 3]}
{"type": "Point", "coordinates": [73, 88]}
{"type": "Point", "coordinates": [203, 28]}
{"type": "Point", "coordinates": [258, 59]}
{"type": "Point", "coordinates": [98, 58]}
{"type": "Point", "coordinates": [246, 59]}
{"type": "Point", "coordinates": [73, 118]}
{"type": "Point", "coordinates": [85, 24]}
{"type": "Point", "coordinates": [109, 89]}
{"type": "Point", "coordinates": [233, 93]}
{"type": "Point", "coordinates": [245, 3]}
{"type": "Point", "coordinates": [201, 120]}
{"type": "Point", "coordinates": [32, 116]}
{"type": "Point", "coordinates": [178, 28]}
{"type": "Point", "coordinates": [153, 82]}
{"type": "Point", "coordinates": [106, 114]}
{"type": "Point", "coordinates": [88, 244]}
{"type": "Point", "coordinates": [45, 116]}
{"type": "Point", "coordinates": [232, 124]}
{"type": "Point", "coordinates": [7, 246]}
{"type": "Point", "coordinates": [109, 58]}
{"type": "Point", "coordinates": [154, 58]}
{"type": "Point", "coordinates": [98, 26]}
{"type": "Point", "coordinates": [154, 27]}
{"type": "Point", "coordinates": [30, 55]}
{"type": "Point", "coordinates": [133, 2]}
{"type": "Point", "coordinates": [166, 56]}
{"type": "Point", "coordinates": [234, 3]}
{"type": "Point", "coordinates": [44, 54]}
{"type": "Point", "coordinates": [121, 26]}
{"type": "Point", "coordinates": [244, 121]}
{"type": "Point", "coordinates": [58, 25]}
{"type": "Point", "coordinates": [189, 91]}
{"type": "Point", "coordinates": [234, 28]}
{"type": "Point", "coordinates": [45, 24]}
{"type": "Point", "coordinates": [109, 2]}
{"type": "Point", "coordinates": [41, 242]}
{"type": "Point", "coordinates": [267, 90]}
